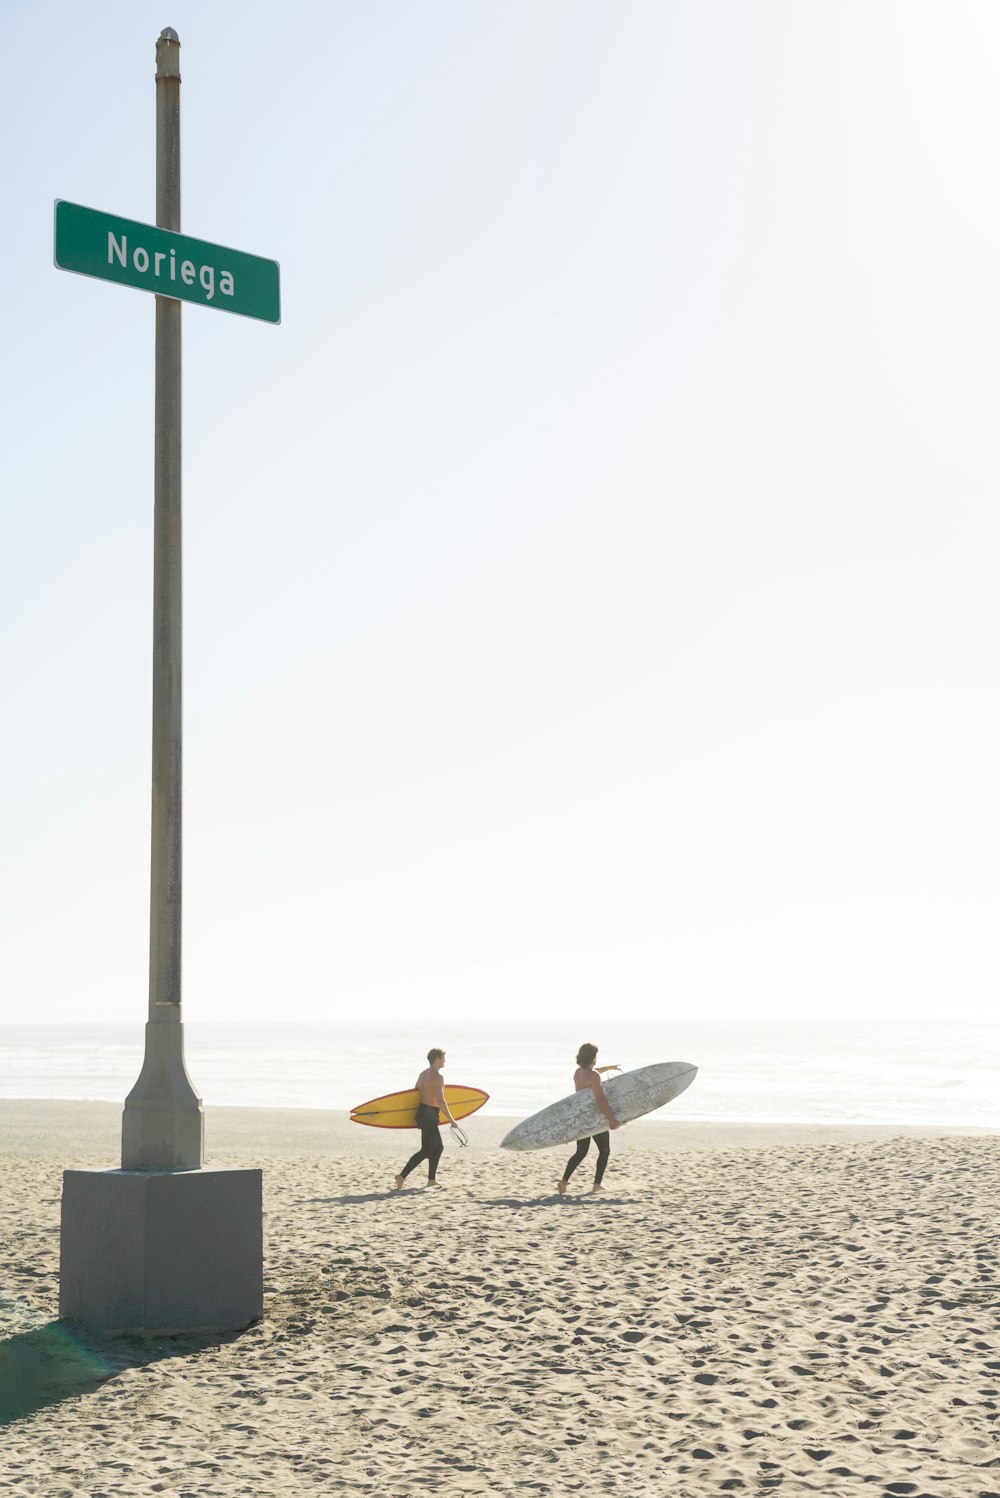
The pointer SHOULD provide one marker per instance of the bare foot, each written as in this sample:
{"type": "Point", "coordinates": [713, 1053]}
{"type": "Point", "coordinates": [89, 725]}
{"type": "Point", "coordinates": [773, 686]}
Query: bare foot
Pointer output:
{"type": "Point", "coordinates": [399, 1183]}
{"type": "Point", "coordinates": [601, 1189]}
{"type": "Point", "coordinates": [434, 1183]}
{"type": "Point", "coordinates": [561, 1187]}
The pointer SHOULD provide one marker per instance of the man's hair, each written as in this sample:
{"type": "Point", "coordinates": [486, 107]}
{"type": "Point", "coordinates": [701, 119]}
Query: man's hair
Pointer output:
{"type": "Point", "coordinates": [586, 1055]}
{"type": "Point", "coordinates": [436, 1051]}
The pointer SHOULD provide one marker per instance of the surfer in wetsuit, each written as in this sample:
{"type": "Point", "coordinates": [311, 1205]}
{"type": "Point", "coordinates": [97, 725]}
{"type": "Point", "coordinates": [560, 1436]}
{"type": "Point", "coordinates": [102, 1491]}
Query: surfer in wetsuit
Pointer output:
{"type": "Point", "coordinates": [432, 1103]}
{"type": "Point", "coordinates": [589, 1075]}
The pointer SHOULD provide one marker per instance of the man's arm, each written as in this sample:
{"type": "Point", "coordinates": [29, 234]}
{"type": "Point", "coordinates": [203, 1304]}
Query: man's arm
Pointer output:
{"type": "Point", "coordinates": [602, 1102]}
{"type": "Point", "coordinates": [442, 1101]}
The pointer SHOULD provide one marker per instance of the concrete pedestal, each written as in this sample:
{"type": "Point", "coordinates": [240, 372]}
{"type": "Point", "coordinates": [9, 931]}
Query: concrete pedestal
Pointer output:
{"type": "Point", "coordinates": [162, 1251]}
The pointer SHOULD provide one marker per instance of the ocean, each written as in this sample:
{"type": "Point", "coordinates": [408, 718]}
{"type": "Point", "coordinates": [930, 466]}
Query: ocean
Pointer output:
{"type": "Point", "coordinates": [763, 1073]}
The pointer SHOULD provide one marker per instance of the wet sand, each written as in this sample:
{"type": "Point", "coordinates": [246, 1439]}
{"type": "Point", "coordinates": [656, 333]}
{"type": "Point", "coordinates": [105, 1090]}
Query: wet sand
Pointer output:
{"type": "Point", "coordinates": [747, 1310]}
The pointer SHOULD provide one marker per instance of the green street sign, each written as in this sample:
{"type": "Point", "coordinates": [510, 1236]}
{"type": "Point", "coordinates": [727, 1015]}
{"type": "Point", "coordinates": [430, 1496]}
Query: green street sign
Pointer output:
{"type": "Point", "coordinates": [98, 244]}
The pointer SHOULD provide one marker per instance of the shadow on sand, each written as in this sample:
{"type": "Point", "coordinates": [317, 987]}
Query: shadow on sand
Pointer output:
{"type": "Point", "coordinates": [406, 1194]}
{"type": "Point", "coordinates": [348, 1201]}
{"type": "Point", "coordinates": [553, 1200]}
{"type": "Point", "coordinates": [63, 1360]}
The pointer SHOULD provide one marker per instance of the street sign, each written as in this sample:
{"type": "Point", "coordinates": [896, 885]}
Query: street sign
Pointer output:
{"type": "Point", "coordinates": [116, 249]}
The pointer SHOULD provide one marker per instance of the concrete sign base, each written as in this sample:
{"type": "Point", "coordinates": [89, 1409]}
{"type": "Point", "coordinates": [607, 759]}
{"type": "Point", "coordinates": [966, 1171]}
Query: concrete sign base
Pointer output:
{"type": "Point", "coordinates": [162, 1251]}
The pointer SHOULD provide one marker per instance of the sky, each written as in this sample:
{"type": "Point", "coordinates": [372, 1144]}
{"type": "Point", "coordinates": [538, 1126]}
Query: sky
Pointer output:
{"type": "Point", "coordinates": [590, 597]}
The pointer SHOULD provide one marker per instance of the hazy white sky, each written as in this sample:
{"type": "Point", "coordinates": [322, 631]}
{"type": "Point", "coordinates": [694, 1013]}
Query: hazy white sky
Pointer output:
{"type": "Point", "coordinates": [590, 587]}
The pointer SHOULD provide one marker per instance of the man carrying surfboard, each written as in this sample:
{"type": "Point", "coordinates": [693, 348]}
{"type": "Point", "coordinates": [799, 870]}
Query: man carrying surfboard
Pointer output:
{"type": "Point", "coordinates": [433, 1103]}
{"type": "Point", "coordinates": [589, 1075]}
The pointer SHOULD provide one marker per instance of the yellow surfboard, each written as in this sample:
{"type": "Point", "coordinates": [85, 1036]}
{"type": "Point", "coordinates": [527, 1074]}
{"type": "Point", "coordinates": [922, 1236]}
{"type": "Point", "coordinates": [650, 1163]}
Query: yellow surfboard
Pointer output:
{"type": "Point", "coordinates": [398, 1110]}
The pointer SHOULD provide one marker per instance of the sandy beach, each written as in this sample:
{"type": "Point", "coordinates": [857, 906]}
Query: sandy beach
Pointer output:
{"type": "Point", "coordinates": [748, 1310]}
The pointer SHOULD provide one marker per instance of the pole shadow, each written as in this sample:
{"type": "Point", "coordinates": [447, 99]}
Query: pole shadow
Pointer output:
{"type": "Point", "coordinates": [63, 1360]}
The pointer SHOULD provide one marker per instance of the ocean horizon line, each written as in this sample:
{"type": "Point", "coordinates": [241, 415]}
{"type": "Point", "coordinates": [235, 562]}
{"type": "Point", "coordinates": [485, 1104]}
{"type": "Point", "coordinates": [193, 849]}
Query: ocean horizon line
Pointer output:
{"type": "Point", "coordinates": [922, 1076]}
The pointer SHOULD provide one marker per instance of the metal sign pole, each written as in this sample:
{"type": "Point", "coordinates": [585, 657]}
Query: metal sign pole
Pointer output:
{"type": "Point", "coordinates": [163, 1125]}
{"type": "Point", "coordinates": [164, 1245]}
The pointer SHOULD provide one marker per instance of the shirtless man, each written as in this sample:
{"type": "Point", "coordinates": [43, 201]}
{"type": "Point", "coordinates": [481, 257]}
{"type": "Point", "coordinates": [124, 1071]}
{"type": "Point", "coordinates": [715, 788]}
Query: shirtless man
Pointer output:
{"type": "Point", "coordinates": [430, 1086]}
{"type": "Point", "coordinates": [589, 1075]}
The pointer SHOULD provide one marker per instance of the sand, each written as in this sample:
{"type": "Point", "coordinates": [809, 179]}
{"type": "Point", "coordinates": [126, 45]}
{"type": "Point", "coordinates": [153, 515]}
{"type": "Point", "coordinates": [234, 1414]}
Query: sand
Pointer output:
{"type": "Point", "coordinates": [747, 1311]}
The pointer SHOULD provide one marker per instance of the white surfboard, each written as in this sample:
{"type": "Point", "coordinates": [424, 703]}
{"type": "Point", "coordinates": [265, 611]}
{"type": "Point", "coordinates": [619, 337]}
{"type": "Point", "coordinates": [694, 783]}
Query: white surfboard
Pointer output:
{"type": "Point", "coordinates": [630, 1095]}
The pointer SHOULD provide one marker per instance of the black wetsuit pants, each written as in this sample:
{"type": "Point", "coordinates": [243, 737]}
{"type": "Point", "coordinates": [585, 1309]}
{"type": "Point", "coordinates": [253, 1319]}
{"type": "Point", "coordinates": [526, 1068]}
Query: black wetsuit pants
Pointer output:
{"type": "Point", "coordinates": [603, 1142]}
{"type": "Point", "coordinates": [431, 1143]}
